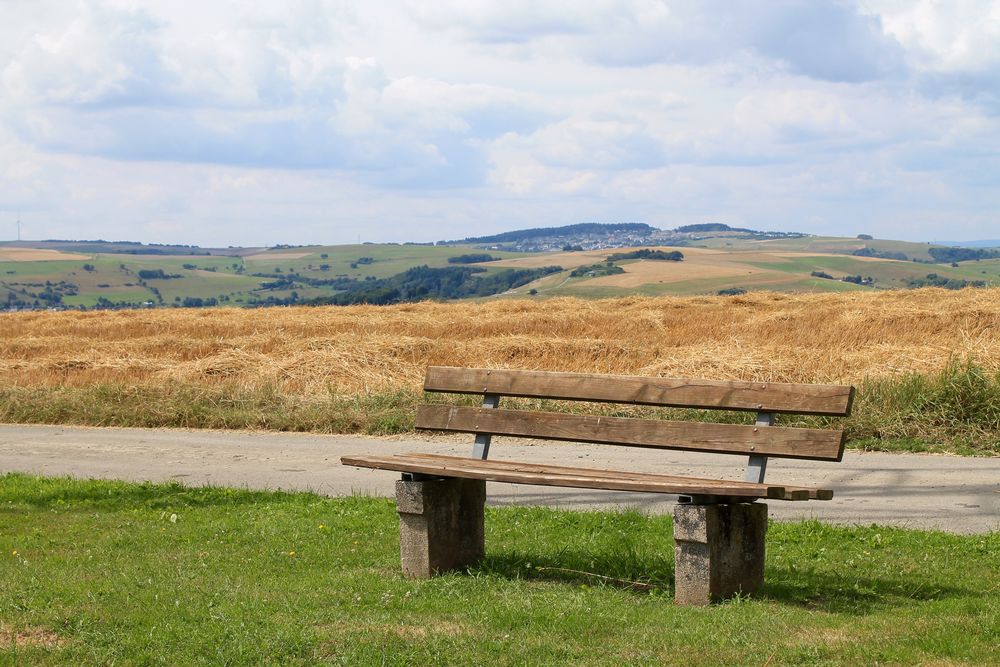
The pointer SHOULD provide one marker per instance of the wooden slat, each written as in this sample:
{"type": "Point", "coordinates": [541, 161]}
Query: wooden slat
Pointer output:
{"type": "Point", "coordinates": [806, 399]}
{"type": "Point", "coordinates": [796, 492]}
{"type": "Point", "coordinates": [795, 443]}
{"type": "Point", "coordinates": [593, 479]}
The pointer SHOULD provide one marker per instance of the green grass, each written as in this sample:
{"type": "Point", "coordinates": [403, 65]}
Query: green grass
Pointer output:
{"type": "Point", "coordinates": [759, 283]}
{"type": "Point", "coordinates": [988, 269]}
{"type": "Point", "coordinates": [217, 407]}
{"type": "Point", "coordinates": [887, 274]}
{"type": "Point", "coordinates": [141, 574]}
{"type": "Point", "coordinates": [960, 406]}
{"type": "Point", "coordinates": [389, 259]}
{"type": "Point", "coordinates": [40, 268]}
{"type": "Point", "coordinates": [772, 282]}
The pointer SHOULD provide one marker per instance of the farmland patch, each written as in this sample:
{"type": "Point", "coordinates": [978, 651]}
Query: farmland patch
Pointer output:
{"type": "Point", "coordinates": [8, 254]}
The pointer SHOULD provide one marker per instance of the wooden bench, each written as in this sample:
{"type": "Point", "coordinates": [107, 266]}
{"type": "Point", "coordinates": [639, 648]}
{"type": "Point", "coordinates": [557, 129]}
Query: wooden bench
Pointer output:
{"type": "Point", "coordinates": [719, 527]}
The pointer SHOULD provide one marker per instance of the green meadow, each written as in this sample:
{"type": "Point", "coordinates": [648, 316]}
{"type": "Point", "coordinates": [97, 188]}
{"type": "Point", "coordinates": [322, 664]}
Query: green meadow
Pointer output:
{"type": "Point", "coordinates": [98, 573]}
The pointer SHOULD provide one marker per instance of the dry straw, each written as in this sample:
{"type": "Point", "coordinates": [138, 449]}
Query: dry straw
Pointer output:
{"type": "Point", "coordinates": [801, 338]}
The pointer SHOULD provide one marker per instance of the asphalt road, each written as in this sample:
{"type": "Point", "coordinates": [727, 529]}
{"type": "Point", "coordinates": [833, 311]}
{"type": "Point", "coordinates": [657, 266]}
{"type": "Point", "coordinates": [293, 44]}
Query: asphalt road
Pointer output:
{"type": "Point", "coordinates": [955, 494]}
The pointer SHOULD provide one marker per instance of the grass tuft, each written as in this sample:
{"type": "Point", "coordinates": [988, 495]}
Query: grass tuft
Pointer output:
{"type": "Point", "coordinates": [210, 407]}
{"type": "Point", "coordinates": [958, 407]}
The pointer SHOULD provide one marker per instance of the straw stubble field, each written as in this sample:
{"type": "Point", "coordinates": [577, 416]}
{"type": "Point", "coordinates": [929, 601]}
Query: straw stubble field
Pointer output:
{"type": "Point", "coordinates": [297, 361]}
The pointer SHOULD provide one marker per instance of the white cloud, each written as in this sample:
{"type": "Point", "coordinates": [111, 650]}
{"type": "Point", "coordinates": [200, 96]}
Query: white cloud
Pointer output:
{"type": "Point", "coordinates": [444, 119]}
{"type": "Point", "coordinates": [99, 58]}
{"type": "Point", "coordinates": [828, 39]}
{"type": "Point", "coordinates": [954, 36]}
{"type": "Point", "coordinates": [251, 95]}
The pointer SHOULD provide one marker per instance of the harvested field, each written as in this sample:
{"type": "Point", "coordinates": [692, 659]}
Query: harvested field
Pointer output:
{"type": "Point", "coordinates": [709, 270]}
{"type": "Point", "coordinates": [926, 363]}
{"type": "Point", "coordinates": [698, 263]}
{"type": "Point", "coordinates": [847, 337]}
{"type": "Point", "coordinates": [567, 260]}
{"type": "Point", "coordinates": [37, 255]}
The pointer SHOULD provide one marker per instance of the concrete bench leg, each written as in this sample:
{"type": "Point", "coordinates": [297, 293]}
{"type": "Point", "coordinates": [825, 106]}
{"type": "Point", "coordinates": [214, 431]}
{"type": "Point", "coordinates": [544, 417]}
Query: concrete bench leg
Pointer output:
{"type": "Point", "coordinates": [440, 525]}
{"type": "Point", "coordinates": [719, 551]}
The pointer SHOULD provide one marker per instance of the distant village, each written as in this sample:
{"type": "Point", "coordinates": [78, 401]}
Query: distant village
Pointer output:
{"type": "Point", "coordinates": [563, 239]}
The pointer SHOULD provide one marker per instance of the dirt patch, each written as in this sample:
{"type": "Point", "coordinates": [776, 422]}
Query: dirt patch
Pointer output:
{"type": "Point", "coordinates": [38, 255]}
{"type": "Point", "coordinates": [29, 637]}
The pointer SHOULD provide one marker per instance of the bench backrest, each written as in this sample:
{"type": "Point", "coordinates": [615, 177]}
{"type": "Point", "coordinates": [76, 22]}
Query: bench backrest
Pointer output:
{"type": "Point", "coordinates": [759, 441]}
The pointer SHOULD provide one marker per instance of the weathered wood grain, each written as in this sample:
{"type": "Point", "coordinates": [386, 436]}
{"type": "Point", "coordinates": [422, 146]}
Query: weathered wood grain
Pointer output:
{"type": "Point", "coordinates": [798, 492]}
{"type": "Point", "coordinates": [795, 443]}
{"type": "Point", "coordinates": [807, 399]}
{"type": "Point", "coordinates": [586, 479]}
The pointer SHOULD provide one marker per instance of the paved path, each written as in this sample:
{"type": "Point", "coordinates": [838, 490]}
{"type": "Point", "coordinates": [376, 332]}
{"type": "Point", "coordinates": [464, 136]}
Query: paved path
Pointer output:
{"type": "Point", "coordinates": [949, 493]}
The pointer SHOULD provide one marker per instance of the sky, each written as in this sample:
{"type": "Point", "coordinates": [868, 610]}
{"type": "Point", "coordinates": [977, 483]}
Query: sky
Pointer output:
{"type": "Point", "coordinates": [223, 122]}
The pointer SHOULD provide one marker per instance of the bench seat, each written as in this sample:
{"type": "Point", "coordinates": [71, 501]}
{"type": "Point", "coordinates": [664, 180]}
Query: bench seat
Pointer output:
{"type": "Point", "coordinates": [719, 526]}
{"type": "Point", "coordinates": [516, 472]}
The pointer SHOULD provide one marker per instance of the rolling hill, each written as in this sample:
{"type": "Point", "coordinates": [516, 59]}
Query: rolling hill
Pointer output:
{"type": "Point", "coordinates": [764, 265]}
{"type": "Point", "coordinates": [97, 274]}
{"type": "Point", "coordinates": [49, 277]}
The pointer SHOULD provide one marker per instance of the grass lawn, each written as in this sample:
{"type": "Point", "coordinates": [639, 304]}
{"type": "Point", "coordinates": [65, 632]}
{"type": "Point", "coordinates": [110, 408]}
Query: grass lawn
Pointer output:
{"type": "Point", "coordinates": [126, 574]}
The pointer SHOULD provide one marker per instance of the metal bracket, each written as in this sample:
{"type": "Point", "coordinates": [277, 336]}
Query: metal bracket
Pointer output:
{"type": "Point", "coordinates": [699, 499]}
{"type": "Point", "coordinates": [481, 448]}
{"type": "Point", "coordinates": [757, 465]}
{"type": "Point", "coordinates": [418, 477]}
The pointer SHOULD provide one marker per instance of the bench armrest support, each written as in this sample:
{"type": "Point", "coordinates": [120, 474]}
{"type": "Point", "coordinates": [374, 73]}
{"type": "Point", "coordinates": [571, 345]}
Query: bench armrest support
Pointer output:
{"type": "Point", "coordinates": [757, 465]}
{"type": "Point", "coordinates": [481, 447]}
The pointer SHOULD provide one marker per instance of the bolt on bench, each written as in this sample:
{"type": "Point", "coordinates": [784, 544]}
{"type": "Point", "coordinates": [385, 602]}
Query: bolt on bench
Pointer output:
{"type": "Point", "coordinates": [719, 527]}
